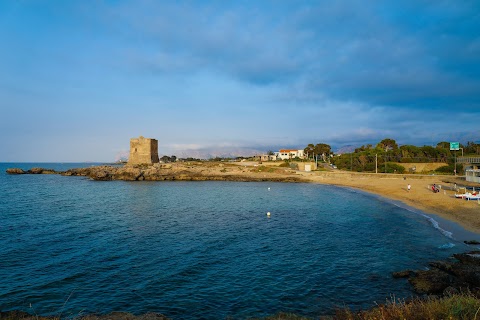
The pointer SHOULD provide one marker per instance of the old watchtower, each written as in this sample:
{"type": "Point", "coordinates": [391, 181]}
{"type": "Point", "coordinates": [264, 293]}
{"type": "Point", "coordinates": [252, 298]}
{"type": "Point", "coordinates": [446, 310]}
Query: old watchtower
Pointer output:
{"type": "Point", "coordinates": [143, 151]}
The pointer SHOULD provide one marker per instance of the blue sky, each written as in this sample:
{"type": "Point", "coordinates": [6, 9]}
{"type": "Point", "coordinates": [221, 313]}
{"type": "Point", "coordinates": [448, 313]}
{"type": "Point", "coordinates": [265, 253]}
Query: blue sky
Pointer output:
{"type": "Point", "coordinates": [78, 79]}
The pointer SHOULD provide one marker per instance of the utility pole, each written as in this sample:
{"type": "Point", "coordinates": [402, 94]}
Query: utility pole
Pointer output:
{"type": "Point", "coordinates": [455, 170]}
{"type": "Point", "coordinates": [376, 163]}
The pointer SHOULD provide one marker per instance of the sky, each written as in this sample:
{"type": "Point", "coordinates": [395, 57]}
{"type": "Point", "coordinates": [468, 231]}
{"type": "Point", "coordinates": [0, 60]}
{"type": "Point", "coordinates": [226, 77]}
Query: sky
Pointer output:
{"type": "Point", "coordinates": [78, 79]}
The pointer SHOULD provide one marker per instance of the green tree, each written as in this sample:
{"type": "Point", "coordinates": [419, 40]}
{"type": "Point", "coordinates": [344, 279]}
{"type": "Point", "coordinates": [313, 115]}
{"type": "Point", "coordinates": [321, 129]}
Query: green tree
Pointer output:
{"type": "Point", "coordinates": [322, 149]}
{"type": "Point", "coordinates": [387, 144]}
{"type": "Point", "coordinates": [472, 148]}
{"type": "Point", "coordinates": [309, 150]}
{"type": "Point", "coordinates": [444, 145]}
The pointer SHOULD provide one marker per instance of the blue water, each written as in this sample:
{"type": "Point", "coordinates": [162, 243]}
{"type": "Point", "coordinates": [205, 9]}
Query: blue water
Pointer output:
{"type": "Point", "coordinates": [190, 250]}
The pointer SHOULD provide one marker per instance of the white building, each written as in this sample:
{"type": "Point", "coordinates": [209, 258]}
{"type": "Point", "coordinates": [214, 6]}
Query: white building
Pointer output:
{"type": "Point", "coordinates": [265, 157]}
{"type": "Point", "coordinates": [472, 175]}
{"type": "Point", "coordinates": [286, 154]}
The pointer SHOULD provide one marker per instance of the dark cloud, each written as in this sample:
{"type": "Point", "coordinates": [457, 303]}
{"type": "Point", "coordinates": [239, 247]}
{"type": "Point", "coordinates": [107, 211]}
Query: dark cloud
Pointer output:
{"type": "Point", "coordinates": [406, 54]}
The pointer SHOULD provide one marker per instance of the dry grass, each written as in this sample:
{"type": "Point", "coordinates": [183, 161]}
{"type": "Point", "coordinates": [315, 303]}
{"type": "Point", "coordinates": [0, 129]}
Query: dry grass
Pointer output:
{"type": "Point", "coordinates": [455, 307]}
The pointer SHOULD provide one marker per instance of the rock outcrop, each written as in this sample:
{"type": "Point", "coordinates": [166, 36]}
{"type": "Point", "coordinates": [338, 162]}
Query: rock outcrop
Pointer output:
{"type": "Point", "coordinates": [445, 277]}
{"type": "Point", "coordinates": [169, 172]}
{"type": "Point", "coordinates": [15, 171]}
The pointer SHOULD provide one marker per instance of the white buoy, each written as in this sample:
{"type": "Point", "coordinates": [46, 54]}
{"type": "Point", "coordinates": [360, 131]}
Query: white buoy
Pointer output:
{"type": "Point", "coordinates": [268, 188]}
{"type": "Point", "coordinates": [268, 214]}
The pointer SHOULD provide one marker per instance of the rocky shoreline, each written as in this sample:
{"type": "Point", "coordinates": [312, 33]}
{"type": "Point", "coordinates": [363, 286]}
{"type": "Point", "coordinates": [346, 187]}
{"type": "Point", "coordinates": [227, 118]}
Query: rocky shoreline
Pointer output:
{"type": "Point", "coordinates": [459, 274]}
{"type": "Point", "coordinates": [171, 172]}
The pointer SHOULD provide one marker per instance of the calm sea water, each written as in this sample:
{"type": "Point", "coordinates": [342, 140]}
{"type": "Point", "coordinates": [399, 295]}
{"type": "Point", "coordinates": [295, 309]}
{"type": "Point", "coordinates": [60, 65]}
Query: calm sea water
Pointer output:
{"type": "Point", "coordinates": [190, 250]}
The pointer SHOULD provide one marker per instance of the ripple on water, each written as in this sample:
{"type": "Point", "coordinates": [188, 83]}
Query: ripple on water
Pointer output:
{"type": "Point", "coordinates": [204, 249]}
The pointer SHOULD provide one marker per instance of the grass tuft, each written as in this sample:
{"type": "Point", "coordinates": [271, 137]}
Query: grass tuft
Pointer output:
{"type": "Point", "coordinates": [454, 307]}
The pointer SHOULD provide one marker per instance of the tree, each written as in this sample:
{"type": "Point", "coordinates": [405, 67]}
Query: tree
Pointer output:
{"type": "Point", "coordinates": [309, 150]}
{"type": "Point", "coordinates": [270, 153]}
{"type": "Point", "coordinates": [387, 144]}
{"type": "Point", "coordinates": [322, 149]}
{"type": "Point", "coordinates": [472, 148]}
{"type": "Point", "coordinates": [443, 145]}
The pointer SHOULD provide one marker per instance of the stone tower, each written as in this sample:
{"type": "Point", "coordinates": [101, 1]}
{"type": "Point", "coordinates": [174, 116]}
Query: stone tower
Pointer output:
{"type": "Point", "coordinates": [143, 151]}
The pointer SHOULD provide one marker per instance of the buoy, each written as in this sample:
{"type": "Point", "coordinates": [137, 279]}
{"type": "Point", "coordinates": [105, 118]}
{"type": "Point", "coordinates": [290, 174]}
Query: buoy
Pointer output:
{"type": "Point", "coordinates": [268, 214]}
{"type": "Point", "coordinates": [268, 188]}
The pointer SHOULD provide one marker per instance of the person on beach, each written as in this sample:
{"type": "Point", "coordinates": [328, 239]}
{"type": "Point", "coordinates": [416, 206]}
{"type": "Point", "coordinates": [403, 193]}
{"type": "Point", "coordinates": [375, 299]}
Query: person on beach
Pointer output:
{"type": "Point", "coordinates": [409, 187]}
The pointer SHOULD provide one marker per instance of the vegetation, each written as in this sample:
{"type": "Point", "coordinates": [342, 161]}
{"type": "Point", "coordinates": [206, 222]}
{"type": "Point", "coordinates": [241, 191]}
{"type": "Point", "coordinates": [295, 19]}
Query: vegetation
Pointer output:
{"type": "Point", "coordinates": [454, 307]}
{"type": "Point", "coordinates": [167, 159]}
{"type": "Point", "coordinates": [320, 150]}
{"type": "Point", "coordinates": [387, 156]}
{"type": "Point", "coordinates": [463, 306]}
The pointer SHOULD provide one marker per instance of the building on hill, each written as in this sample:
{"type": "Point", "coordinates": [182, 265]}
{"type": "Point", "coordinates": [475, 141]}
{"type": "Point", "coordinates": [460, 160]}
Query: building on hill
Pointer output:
{"type": "Point", "coordinates": [265, 157]}
{"type": "Point", "coordinates": [286, 154]}
{"type": "Point", "coordinates": [143, 151]}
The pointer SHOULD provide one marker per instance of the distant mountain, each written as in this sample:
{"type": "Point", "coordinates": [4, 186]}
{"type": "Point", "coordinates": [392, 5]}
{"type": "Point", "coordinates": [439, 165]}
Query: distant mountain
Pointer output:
{"type": "Point", "coordinates": [222, 152]}
{"type": "Point", "coordinates": [345, 149]}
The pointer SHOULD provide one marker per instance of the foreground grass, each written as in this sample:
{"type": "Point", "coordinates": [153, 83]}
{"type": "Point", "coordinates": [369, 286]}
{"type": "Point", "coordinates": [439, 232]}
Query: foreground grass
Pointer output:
{"type": "Point", "coordinates": [454, 307]}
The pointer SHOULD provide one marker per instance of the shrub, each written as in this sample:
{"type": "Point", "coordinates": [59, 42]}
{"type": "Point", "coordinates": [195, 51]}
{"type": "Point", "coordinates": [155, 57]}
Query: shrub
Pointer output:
{"type": "Point", "coordinates": [449, 168]}
{"type": "Point", "coordinates": [395, 168]}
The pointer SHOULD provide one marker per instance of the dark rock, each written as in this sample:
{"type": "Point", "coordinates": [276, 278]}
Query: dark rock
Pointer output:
{"type": "Point", "coordinates": [472, 257]}
{"type": "Point", "coordinates": [77, 172]}
{"type": "Point", "coordinates": [36, 171]}
{"type": "Point", "coordinates": [467, 273]}
{"type": "Point", "coordinates": [448, 277]}
{"type": "Point", "coordinates": [430, 281]}
{"type": "Point", "coordinates": [402, 274]}
{"type": "Point", "coordinates": [15, 171]}
{"type": "Point", "coordinates": [441, 265]}
{"type": "Point", "coordinates": [101, 175]}
{"type": "Point", "coordinates": [471, 242]}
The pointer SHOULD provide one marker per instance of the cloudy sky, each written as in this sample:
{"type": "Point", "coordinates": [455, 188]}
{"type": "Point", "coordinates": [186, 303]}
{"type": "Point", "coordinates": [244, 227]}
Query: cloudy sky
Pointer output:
{"type": "Point", "coordinates": [78, 79]}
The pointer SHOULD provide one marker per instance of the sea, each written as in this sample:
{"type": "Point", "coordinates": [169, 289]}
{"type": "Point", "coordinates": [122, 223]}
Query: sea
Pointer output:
{"type": "Point", "coordinates": [70, 246]}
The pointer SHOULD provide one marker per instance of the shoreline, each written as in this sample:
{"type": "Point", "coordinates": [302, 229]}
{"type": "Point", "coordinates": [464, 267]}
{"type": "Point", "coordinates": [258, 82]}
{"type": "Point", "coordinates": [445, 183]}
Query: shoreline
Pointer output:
{"type": "Point", "coordinates": [389, 186]}
{"type": "Point", "coordinates": [453, 215]}
{"type": "Point", "coordinates": [394, 187]}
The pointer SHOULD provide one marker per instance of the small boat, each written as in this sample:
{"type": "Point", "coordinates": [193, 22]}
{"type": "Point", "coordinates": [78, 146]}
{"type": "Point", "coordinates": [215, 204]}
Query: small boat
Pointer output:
{"type": "Point", "coordinates": [473, 197]}
{"type": "Point", "coordinates": [468, 196]}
